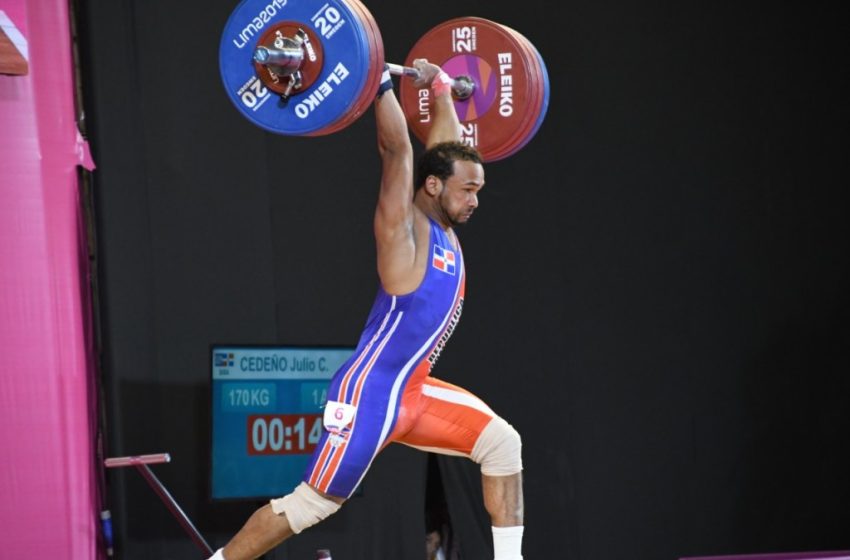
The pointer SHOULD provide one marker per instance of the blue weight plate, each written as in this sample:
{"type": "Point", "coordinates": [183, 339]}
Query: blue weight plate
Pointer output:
{"type": "Point", "coordinates": [376, 51]}
{"type": "Point", "coordinates": [545, 107]}
{"type": "Point", "coordinates": [344, 64]}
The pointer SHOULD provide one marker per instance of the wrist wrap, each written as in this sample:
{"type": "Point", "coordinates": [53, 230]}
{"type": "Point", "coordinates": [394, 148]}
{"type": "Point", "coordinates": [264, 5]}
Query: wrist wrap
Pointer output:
{"type": "Point", "coordinates": [442, 84]}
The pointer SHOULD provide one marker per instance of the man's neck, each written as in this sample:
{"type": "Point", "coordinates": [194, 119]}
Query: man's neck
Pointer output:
{"type": "Point", "coordinates": [432, 209]}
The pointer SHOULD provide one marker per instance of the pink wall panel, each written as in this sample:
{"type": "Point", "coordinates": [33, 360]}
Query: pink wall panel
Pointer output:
{"type": "Point", "coordinates": [47, 474]}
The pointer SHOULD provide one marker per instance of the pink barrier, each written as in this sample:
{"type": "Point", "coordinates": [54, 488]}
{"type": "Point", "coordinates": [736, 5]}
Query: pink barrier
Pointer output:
{"type": "Point", "coordinates": [48, 484]}
{"type": "Point", "coordinates": [841, 555]}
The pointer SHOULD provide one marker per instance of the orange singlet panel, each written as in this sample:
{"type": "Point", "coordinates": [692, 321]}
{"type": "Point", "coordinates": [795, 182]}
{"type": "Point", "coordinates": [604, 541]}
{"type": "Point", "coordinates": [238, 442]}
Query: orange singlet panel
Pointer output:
{"type": "Point", "coordinates": [441, 417]}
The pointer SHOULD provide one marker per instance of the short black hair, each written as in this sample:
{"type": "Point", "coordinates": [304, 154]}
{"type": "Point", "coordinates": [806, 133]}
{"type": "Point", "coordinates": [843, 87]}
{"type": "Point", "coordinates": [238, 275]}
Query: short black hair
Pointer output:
{"type": "Point", "coordinates": [439, 160]}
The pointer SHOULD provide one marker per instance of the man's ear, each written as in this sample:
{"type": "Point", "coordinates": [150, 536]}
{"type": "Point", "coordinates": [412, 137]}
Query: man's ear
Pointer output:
{"type": "Point", "coordinates": [433, 185]}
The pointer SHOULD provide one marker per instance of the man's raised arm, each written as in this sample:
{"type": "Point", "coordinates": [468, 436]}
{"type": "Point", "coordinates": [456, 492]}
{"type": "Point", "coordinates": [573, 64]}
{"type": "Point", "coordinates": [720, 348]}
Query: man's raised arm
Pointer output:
{"type": "Point", "coordinates": [446, 126]}
{"type": "Point", "coordinates": [395, 200]}
{"type": "Point", "coordinates": [394, 215]}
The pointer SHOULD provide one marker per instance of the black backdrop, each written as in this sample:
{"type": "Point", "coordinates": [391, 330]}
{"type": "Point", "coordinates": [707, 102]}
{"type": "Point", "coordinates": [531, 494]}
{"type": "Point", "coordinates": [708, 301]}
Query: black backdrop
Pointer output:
{"type": "Point", "coordinates": [657, 283]}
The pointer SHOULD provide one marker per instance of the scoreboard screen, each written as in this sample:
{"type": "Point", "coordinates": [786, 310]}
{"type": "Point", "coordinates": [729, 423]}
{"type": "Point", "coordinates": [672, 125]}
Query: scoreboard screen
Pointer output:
{"type": "Point", "coordinates": [267, 405]}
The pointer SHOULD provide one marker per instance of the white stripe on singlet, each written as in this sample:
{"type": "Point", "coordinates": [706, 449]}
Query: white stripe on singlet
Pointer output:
{"type": "Point", "coordinates": [347, 378]}
{"type": "Point", "coordinates": [456, 397]}
{"type": "Point", "coordinates": [415, 359]}
{"type": "Point", "coordinates": [363, 376]}
{"type": "Point", "coordinates": [320, 469]}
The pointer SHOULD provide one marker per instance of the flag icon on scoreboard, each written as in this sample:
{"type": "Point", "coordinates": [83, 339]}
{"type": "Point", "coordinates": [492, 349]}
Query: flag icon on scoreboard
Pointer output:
{"type": "Point", "coordinates": [444, 260]}
{"type": "Point", "coordinates": [223, 359]}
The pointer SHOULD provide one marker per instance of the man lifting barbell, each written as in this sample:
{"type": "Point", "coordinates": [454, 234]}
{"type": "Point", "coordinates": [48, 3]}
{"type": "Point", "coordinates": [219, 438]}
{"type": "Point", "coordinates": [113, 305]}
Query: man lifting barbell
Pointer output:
{"type": "Point", "coordinates": [384, 393]}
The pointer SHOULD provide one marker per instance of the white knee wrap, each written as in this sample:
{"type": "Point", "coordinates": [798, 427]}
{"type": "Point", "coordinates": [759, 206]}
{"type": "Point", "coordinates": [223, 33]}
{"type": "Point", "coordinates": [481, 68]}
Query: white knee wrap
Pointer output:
{"type": "Point", "coordinates": [498, 449]}
{"type": "Point", "coordinates": [304, 507]}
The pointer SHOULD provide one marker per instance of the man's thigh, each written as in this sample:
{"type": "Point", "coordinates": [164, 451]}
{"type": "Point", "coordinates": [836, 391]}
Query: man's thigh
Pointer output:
{"type": "Point", "coordinates": [449, 419]}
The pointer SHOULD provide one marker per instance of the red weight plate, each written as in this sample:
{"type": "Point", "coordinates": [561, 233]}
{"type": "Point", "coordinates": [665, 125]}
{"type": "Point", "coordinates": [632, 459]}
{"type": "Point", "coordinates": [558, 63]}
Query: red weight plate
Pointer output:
{"type": "Point", "coordinates": [358, 107]}
{"type": "Point", "coordinates": [535, 104]}
{"type": "Point", "coordinates": [499, 65]}
{"type": "Point", "coordinates": [378, 69]}
{"type": "Point", "coordinates": [544, 80]}
{"type": "Point", "coordinates": [376, 58]}
{"type": "Point", "coordinates": [346, 119]}
{"type": "Point", "coordinates": [543, 88]}
{"type": "Point", "coordinates": [377, 64]}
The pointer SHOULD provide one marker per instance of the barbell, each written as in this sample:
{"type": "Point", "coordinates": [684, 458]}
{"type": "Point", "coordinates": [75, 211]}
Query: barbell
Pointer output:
{"type": "Point", "coordinates": [306, 68]}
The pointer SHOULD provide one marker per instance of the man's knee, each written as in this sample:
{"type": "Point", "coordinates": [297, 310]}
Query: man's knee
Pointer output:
{"type": "Point", "coordinates": [304, 507]}
{"type": "Point", "coordinates": [498, 449]}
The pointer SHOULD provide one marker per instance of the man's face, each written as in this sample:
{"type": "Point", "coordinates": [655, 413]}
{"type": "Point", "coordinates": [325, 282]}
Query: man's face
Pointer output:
{"type": "Point", "coordinates": [459, 197]}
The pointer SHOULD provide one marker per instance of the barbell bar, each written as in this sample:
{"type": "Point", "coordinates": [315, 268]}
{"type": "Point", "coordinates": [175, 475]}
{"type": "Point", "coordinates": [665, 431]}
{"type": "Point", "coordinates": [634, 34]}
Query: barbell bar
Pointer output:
{"type": "Point", "coordinates": [462, 86]}
{"type": "Point", "coordinates": [295, 69]}
{"type": "Point", "coordinates": [285, 63]}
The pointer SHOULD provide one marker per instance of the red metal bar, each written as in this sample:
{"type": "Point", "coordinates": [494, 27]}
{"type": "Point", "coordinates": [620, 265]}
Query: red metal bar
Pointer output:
{"type": "Point", "coordinates": [141, 463]}
{"type": "Point", "coordinates": [134, 460]}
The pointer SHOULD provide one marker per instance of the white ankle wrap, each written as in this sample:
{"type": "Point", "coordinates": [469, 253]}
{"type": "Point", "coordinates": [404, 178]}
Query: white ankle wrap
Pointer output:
{"type": "Point", "coordinates": [304, 507]}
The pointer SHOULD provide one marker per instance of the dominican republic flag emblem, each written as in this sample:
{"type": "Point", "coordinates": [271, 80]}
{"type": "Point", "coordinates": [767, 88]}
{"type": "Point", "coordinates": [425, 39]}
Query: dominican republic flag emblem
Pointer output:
{"type": "Point", "coordinates": [223, 359]}
{"type": "Point", "coordinates": [444, 260]}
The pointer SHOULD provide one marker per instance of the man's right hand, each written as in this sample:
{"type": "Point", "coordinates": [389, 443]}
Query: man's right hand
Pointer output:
{"type": "Point", "coordinates": [427, 72]}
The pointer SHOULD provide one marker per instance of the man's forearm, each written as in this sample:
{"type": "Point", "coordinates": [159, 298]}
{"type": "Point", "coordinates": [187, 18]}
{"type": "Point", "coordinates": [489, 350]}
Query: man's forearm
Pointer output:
{"type": "Point", "coordinates": [446, 126]}
{"type": "Point", "coordinates": [391, 126]}
{"type": "Point", "coordinates": [396, 194]}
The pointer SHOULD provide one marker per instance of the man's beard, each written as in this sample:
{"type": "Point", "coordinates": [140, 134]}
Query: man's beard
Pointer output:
{"type": "Point", "coordinates": [455, 222]}
{"type": "Point", "coordinates": [452, 219]}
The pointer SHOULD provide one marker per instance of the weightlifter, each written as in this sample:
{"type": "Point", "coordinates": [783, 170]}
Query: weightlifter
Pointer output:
{"type": "Point", "coordinates": [384, 393]}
